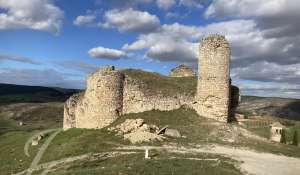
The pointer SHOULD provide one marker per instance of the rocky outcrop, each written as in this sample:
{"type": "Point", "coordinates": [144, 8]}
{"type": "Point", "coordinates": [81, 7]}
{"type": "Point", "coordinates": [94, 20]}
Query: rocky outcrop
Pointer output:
{"type": "Point", "coordinates": [182, 71]}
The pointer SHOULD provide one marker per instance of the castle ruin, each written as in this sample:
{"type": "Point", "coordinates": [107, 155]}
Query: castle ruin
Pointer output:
{"type": "Point", "coordinates": [102, 102]}
{"type": "Point", "coordinates": [111, 93]}
{"type": "Point", "coordinates": [213, 88]}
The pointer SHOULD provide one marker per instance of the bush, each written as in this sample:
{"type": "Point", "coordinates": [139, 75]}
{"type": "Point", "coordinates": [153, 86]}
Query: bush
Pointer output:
{"type": "Point", "coordinates": [295, 138]}
{"type": "Point", "coordinates": [283, 137]}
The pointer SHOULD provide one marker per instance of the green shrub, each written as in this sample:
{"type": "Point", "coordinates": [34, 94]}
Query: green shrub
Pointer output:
{"type": "Point", "coordinates": [283, 137]}
{"type": "Point", "coordinates": [295, 138]}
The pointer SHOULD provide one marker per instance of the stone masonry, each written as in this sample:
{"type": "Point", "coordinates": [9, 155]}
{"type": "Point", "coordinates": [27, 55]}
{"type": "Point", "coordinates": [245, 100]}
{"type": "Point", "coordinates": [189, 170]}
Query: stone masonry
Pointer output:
{"type": "Point", "coordinates": [182, 71]}
{"type": "Point", "coordinates": [213, 89]}
{"type": "Point", "coordinates": [111, 93]}
{"type": "Point", "coordinates": [101, 104]}
{"type": "Point", "coordinates": [136, 100]}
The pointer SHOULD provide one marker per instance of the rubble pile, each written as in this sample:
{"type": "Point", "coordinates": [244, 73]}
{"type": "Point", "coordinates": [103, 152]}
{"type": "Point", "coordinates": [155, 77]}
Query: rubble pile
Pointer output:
{"type": "Point", "coordinates": [137, 131]}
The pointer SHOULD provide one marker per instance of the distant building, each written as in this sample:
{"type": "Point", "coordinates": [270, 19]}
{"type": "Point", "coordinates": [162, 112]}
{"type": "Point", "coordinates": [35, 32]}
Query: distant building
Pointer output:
{"type": "Point", "coordinates": [182, 71]}
{"type": "Point", "coordinates": [276, 130]}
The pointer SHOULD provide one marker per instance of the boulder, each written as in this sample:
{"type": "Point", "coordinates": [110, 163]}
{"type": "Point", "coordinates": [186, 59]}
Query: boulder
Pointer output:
{"type": "Point", "coordinates": [34, 142]}
{"type": "Point", "coordinates": [172, 133]}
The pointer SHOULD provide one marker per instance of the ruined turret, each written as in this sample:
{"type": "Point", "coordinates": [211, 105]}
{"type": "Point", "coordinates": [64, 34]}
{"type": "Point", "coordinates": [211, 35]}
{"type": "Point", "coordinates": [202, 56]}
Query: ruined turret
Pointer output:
{"type": "Point", "coordinates": [213, 90]}
{"type": "Point", "coordinates": [101, 103]}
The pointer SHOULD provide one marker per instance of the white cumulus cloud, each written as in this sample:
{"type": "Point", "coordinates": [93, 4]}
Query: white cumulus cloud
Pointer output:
{"type": "Point", "coordinates": [33, 14]}
{"type": "Point", "coordinates": [192, 3]}
{"type": "Point", "coordinates": [84, 19]}
{"type": "Point", "coordinates": [165, 4]}
{"type": "Point", "coordinates": [106, 53]}
{"type": "Point", "coordinates": [280, 17]}
{"type": "Point", "coordinates": [130, 20]}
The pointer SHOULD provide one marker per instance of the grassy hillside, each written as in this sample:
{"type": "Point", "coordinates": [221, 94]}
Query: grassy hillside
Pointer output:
{"type": "Point", "coordinates": [157, 83]}
{"type": "Point", "coordinates": [270, 106]}
{"type": "Point", "coordinates": [197, 131]}
{"type": "Point", "coordinates": [34, 116]}
{"type": "Point", "coordinates": [32, 94]}
{"type": "Point", "coordinates": [41, 108]}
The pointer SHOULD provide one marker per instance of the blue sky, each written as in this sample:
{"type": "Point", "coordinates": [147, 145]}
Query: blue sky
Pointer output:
{"type": "Point", "coordinates": [59, 42]}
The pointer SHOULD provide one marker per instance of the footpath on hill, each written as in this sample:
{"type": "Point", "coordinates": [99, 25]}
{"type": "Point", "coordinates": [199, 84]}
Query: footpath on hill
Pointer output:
{"type": "Point", "coordinates": [252, 162]}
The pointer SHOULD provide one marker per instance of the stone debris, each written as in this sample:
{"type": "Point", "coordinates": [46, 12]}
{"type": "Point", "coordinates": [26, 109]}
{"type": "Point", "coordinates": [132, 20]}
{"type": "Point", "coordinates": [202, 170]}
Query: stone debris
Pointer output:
{"type": "Point", "coordinates": [137, 131]}
{"type": "Point", "coordinates": [140, 136]}
{"type": "Point", "coordinates": [34, 142]}
{"type": "Point", "coordinates": [37, 139]}
{"type": "Point", "coordinates": [162, 130]}
{"type": "Point", "coordinates": [40, 137]}
{"type": "Point", "coordinates": [133, 125]}
{"type": "Point", "coordinates": [169, 132]}
{"type": "Point", "coordinates": [172, 133]}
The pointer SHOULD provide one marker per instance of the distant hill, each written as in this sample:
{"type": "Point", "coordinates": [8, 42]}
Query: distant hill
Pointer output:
{"type": "Point", "coordinates": [10, 93]}
{"type": "Point", "coordinates": [270, 106]}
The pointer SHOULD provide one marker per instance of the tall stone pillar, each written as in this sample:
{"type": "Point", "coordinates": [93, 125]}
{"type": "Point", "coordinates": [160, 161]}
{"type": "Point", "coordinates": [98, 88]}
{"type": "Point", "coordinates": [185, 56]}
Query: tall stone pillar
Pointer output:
{"type": "Point", "coordinates": [213, 89]}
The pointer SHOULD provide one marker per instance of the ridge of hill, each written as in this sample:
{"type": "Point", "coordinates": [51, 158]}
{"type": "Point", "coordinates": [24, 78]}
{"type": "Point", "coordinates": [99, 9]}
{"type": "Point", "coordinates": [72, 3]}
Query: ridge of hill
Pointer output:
{"type": "Point", "coordinates": [10, 93]}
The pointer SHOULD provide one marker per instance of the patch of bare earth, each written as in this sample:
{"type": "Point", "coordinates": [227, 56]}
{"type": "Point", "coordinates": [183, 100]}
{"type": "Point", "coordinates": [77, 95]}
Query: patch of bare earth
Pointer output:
{"type": "Point", "coordinates": [252, 162]}
{"type": "Point", "coordinates": [137, 131]}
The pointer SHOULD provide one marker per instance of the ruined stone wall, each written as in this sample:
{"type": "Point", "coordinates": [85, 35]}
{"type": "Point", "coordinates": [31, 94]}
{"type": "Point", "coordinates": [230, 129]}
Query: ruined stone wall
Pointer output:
{"type": "Point", "coordinates": [102, 102]}
{"type": "Point", "coordinates": [70, 107]}
{"type": "Point", "coordinates": [110, 94]}
{"type": "Point", "coordinates": [136, 98]}
{"type": "Point", "coordinates": [214, 78]}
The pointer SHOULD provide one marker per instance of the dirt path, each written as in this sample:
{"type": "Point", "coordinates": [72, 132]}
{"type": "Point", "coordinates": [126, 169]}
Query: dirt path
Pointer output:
{"type": "Point", "coordinates": [49, 165]}
{"type": "Point", "coordinates": [42, 150]}
{"type": "Point", "coordinates": [28, 142]}
{"type": "Point", "coordinates": [252, 162]}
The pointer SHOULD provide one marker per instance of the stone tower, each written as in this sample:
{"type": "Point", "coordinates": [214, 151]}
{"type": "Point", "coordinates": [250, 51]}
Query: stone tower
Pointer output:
{"type": "Point", "coordinates": [213, 90]}
{"type": "Point", "coordinates": [102, 102]}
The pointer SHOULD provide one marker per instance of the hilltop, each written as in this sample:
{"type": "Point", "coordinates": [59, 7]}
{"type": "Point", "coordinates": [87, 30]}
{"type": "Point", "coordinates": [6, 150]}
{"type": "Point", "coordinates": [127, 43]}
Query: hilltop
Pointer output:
{"type": "Point", "coordinates": [10, 93]}
{"type": "Point", "coordinates": [204, 148]}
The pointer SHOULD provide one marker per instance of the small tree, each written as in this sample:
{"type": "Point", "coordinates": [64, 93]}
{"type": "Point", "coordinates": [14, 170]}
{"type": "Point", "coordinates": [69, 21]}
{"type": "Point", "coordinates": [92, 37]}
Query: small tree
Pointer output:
{"type": "Point", "coordinates": [283, 137]}
{"type": "Point", "coordinates": [295, 138]}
